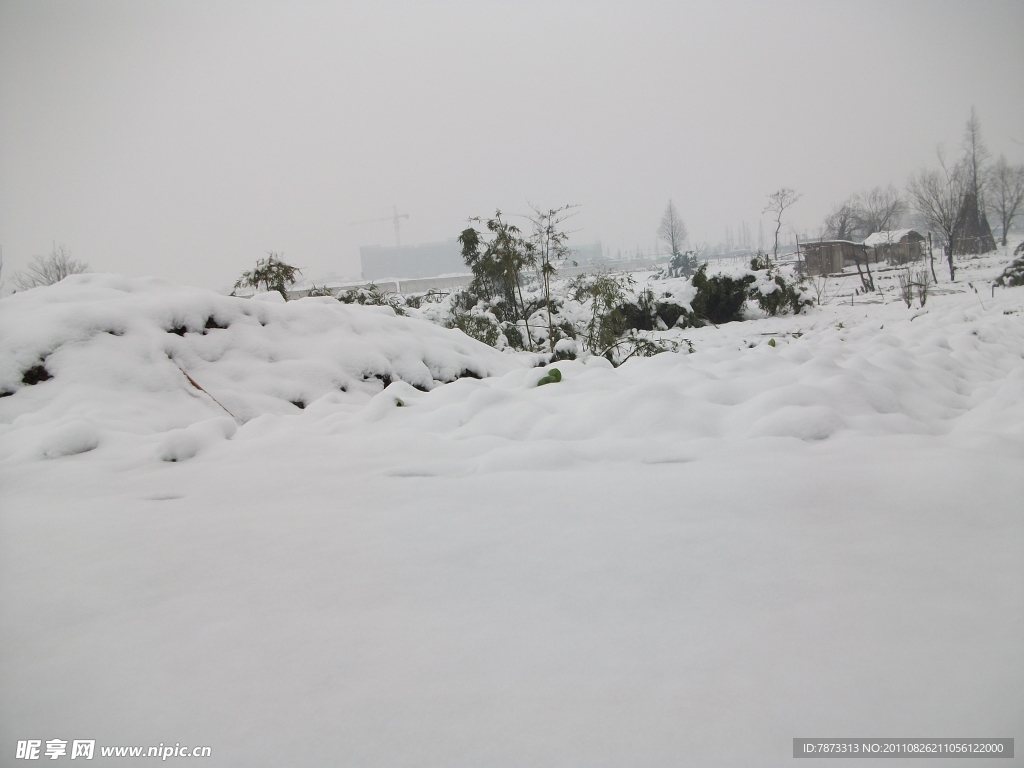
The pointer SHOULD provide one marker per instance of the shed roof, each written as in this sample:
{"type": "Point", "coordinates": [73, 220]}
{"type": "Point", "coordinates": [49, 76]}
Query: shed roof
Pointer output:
{"type": "Point", "coordinates": [819, 244]}
{"type": "Point", "coordinates": [890, 237]}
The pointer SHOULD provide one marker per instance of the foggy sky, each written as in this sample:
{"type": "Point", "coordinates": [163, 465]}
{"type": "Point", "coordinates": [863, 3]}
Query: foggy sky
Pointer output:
{"type": "Point", "coordinates": [187, 139]}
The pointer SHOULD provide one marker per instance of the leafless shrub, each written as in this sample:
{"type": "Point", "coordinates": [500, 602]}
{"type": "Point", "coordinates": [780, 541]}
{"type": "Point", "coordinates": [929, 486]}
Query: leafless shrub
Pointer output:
{"type": "Point", "coordinates": [47, 270]}
{"type": "Point", "coordinates": [906, 287]}
{"type": "Point", "coordinates": [922, 280]}
{"type": "Point", "coordinates": [914, 283]}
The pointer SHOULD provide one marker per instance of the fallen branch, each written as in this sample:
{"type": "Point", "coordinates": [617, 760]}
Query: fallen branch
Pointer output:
{"type": "Point", "coordinates": [195, 384]}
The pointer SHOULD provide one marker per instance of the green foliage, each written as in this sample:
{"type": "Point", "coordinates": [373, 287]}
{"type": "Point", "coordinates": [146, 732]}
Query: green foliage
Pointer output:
{"type": "Point", "coordinates": [270, 274]}
{"type": "Point", "coordinates": [549, 245]}
{"type": "Point", "coordinates": [616, 319]}
{"type": "Point", "coordinates": [635, 345]}
{"type": "Point", "coordinates": [430, 297]}
{"type": "Point", "coordinates": [784, 298]}
{"type": "Point", "coordinates": [671, 312]}
{"type": "Point", "coordinates": [719, 299]}
{"type": "Point", "coordinates": [554, 376]}
{"type": "Point", "coordinates": [640, 315]}
{"type": "Point", "coordinates": [372, 296]}
{"type": "Point", "coordinates": [322, 290]}
{"type": "Point", "coordinates": [482, 327]}
{"type": "Point", "coordinates": [607, 295]}
{"type": "Point", "coordinates": [564, 354]}
{"type": "Point", "coordinates": [683, 264]}
{"type": "Point", "coordinates": [648, 313]}
{"type": "Point", "coordinates": [762, 261]}
{"type": "Point", "coordinates": [496, 259]}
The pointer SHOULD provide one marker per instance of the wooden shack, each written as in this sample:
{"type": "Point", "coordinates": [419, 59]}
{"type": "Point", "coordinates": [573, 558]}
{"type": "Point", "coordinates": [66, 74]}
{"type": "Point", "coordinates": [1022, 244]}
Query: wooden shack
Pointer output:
{"type": "Point", "coordinates": [897, 246]}
{"type": "Point", "coordinates": [826, 257]}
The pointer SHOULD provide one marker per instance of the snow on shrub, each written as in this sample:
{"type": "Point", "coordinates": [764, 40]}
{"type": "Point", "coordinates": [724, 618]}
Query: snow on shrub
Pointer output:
{"type": "Point", "coordinates": [774, 294]}
{"type": "Point", "coordinates": [1013, 274]}
{"type": "Point", "coordinates": [720, 298]}
{"type": "Point", "coordinates": [144, 355]}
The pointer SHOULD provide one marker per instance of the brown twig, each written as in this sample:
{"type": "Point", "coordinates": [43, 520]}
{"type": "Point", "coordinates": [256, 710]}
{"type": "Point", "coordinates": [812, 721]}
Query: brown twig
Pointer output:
{"type": "Point", "coordinates": [195, 384]}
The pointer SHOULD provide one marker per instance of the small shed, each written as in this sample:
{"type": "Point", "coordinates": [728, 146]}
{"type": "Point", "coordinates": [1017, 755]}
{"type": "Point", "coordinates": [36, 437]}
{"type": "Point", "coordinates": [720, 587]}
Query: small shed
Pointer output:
{"type": "Point", "coordinates": [897, 246]}
{"type": "Point", "coordinates": [828, 256]}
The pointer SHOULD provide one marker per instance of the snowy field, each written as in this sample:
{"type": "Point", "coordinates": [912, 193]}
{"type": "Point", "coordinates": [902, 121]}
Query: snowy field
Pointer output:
{"type": "Point", "coordinates": [314, 534]}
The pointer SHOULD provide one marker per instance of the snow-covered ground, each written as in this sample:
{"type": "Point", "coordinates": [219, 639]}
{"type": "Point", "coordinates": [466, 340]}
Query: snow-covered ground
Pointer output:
{"type": "Point", "coordinates": [687, 560]}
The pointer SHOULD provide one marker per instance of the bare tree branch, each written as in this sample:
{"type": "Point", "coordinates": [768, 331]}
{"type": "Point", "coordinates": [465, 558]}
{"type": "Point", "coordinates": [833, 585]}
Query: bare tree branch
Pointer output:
{"type": "Point", "coordinates": [672, 230]}
{"type": "Point", "coordinates": [47, 270]}
{"type": "Point", "coordinates": [778, 202]}
{"type": "Point", "coordinates": [938, 197]}
{"type": "Point", "coordinates": [1006, 193]}
{"type": "Point", "coordinates": [879, 210]}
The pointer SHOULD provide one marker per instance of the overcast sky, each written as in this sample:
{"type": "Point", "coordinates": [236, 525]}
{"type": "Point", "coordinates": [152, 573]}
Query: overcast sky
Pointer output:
{"type": "Point", "coordinates": [186, 139]}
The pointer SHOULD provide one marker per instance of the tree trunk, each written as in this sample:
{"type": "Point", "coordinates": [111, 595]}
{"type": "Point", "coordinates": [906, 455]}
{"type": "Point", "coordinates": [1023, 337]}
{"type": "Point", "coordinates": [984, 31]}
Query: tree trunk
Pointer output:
{"type": "Point", "coordinates": [526, 320]}
{"type": "Point", "coordinates": [547, 303]}
{"type": "Point", "coordinates": [868, 284]}
{"type": "Point", "coordinates": [931, 258]}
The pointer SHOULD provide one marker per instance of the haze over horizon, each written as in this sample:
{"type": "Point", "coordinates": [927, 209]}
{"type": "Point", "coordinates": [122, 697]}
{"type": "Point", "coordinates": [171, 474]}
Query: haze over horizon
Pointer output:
{"type": "Point", "coordinates": [188, 139]}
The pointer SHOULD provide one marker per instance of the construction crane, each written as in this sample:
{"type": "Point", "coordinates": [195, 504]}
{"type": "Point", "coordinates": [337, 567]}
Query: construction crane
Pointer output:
{"type": "Point", "coordinates": [396, 217]}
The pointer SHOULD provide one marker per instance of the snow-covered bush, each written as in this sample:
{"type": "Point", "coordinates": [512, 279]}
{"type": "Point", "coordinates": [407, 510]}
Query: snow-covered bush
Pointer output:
{"type": "Point", "coordinates": [683, 264]}
{"type": "Point", "coordinates": [774, 294]}
{"type": "Point", "coordinates": [269, 274]}
{"type": "Point", "coordinates": [319, 290]}
{"type": "Point", "coordinates": [497, 258]}
{"type": "Point", "coordinates": [604, 296]}
{"type": "Point", "coordinates": [720, 298]}
{"type": "Point", "coordinates": [1013, 274]}
{"type": "Point", "coordinates": [372, 296]}
{"type": "Point", "coordinates": [480, 325]}
{"type": "Point", "coordinates": [616, 317]}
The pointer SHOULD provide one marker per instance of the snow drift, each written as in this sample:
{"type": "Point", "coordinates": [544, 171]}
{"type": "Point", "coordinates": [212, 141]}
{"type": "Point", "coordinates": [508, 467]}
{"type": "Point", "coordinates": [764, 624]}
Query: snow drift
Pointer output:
{"type": "Point", "coordinates": [106, 353]}
{"type": "Point", "coordinates": [99, 354]}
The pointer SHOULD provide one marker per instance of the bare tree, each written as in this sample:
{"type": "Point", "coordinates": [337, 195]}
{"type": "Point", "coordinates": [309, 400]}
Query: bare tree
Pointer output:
{"type": "Point", "coordinates": [1006, 193]}
{"type": "Point", "coordinates": [47, 270]}
{"type": "Point", "coordinates": [976, 156]}
{"type": "Point", "coordinates": [841, 223]}
{"type": "Point", "coordinates": [973, 234]}
{"type": "Point", "coordinates": [778, 202]}
{"type": "Point", "coordinates": [879, 210]}
{"type": "Point", "coordinates": [672, 231]}
{"type": "Point", "coordinates": [938, 196]}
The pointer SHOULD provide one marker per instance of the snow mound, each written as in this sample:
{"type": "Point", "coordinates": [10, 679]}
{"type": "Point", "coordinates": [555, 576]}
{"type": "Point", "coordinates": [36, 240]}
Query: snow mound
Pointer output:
{"type": "Point", "coordinates": [145, 356]}
{"type": "Point", "coordinates": [954, 372]}
{"type": "Point", "coordinates": [168, 372]}
{"type": "Point", "coordinates": [68, 439]}
{"type": "Point", "coordinates": [182, 444]}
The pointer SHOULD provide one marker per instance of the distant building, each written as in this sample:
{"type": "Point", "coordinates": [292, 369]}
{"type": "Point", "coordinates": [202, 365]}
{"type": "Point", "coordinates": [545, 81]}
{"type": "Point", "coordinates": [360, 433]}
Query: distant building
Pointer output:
{"type": "Point", "coordinates": [590, 254]}
{"type": "Point", "coordinates": [409, 261]}
{"type": "Point", "coordinates": [826, 257]}
{"type": "Point", "coordinates": [897, 246]}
